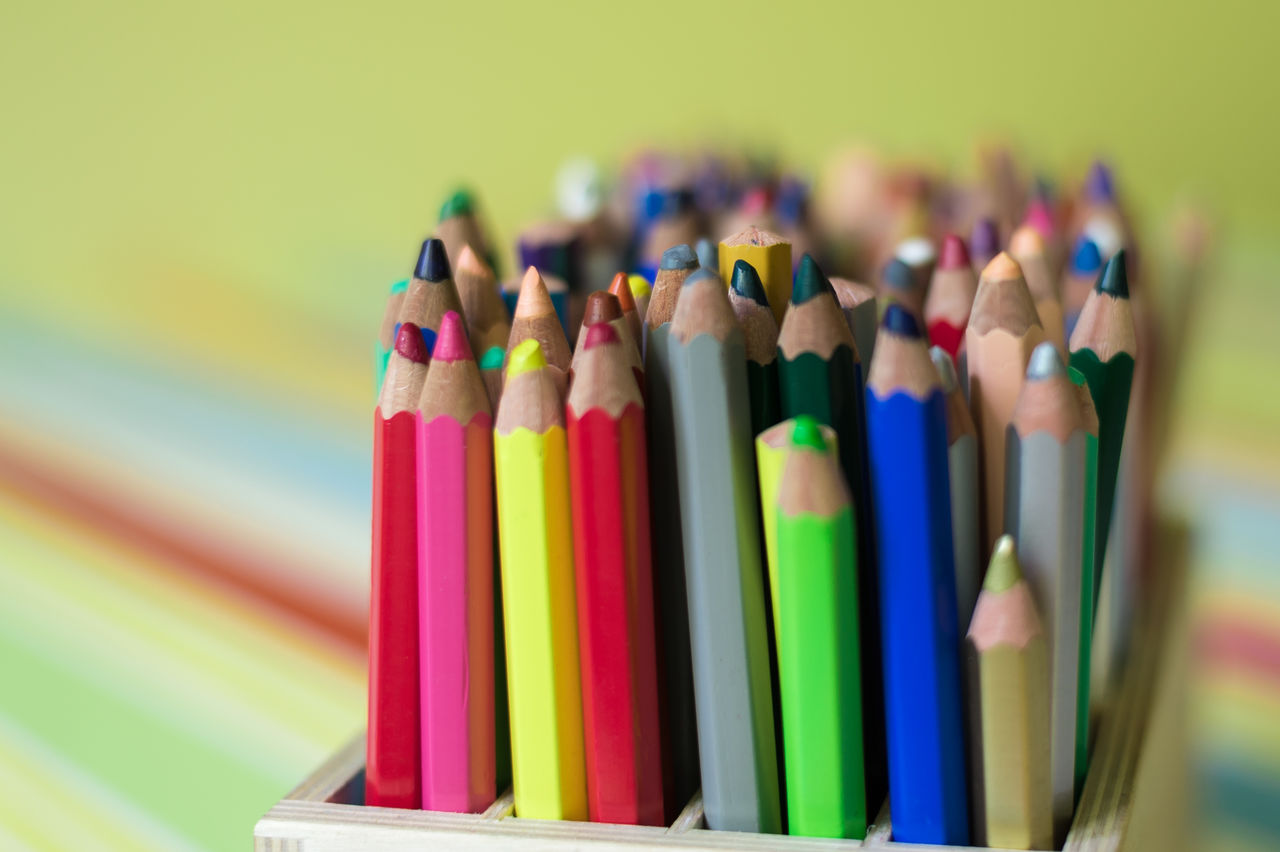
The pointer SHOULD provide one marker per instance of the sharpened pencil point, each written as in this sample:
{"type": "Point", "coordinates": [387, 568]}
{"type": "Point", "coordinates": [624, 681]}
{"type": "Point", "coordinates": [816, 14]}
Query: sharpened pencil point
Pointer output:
{"type": "Point", "coordinates": [1026, 241]}
{"type": "Point", "coordinates": [1114, 280]}
{"type": "Point", "coordinates": [534, 300]}
{"type": "Point", "coordinates": [700, 275]}
{"type": "Point", "coordinates": [1098, 185]}
{"type": "Point", "coordinates": [946, 368]}
{"type": "Point", "coordinates": [400, 286]}
{"type": "Point", "coordinates": [1040, 217]}
{"type": "Point", "coordinates": [1045, 362]}
{"type": "Point", "coordinates": [899, 320]}
{"type": "Point", "coordinates": [492, 358]}
{"type": "Point", "coordinates": [433, 263]}
{"type": "Point", "coordinates": [708, 255]}
{"type": "Point", "coordinates": [679, 257]}
{"type": "Point", "coordinates": [640, 286]}
{"type": "Point", "coordinates": [1086, 259]}
{"type": "Point", "coordinates": [1003, 572]}
{"type": "Point", "coordinates": [601, 306]}
{"type": "Point", "coordinates": [984, 240]}
{"type": "Point", "coordinates": [954, 253]}
{"type": "Point", "coordinates": [470, 261]}
{"type": "Point", "coordinates": [525, 358]}
{"type": "Point", "coordinates": [410, 343]}
{"type": "Point", "coordinates": [451, 340]}
{"type": "Point", "coordinates": [810, 281]}
{"type": "Point", "coordinates": [621, 288]}
{"type": "Point", "coordinates": [806, 432]}
{"type": "Point", "coordinates": [915, 251]}
{"type": "Point", "coordinates": [1002, 268]}
{"type": "Point", "coordinates": [600, 334]}
{"type": "Point", "coordinates": [897, 274]}
{"type": "Point", "coordinates": [458, 204]}
{"type": "Point", "coordinates": [746, 283]}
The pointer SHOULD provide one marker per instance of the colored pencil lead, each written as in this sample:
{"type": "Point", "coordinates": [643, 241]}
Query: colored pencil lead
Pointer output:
{"type": "Point", "coordinates": [746, 283]}
{"type": "Point", "coordinates": [897, 275]}
{"type": "Point", "coordinates": [1098, 185]}
{"type": "Point", "coordinates": [984, 241]}
{"type": "Point", "coordinates": [492, 358]}
{"type": "Point", "coordinates": [410, 344]}
{"type": "Point", "coordinates": [433, 263]}
{"type": "Point", "coordinates": [807, 432]}
{"type": "Point", "coordinates": [458, 204]}
{"type": "Point", "coordinates": [810, 281]}
{"type": "Point", "coordinates": [954, 253]}
{"type": "Point", "coordinates": [708, 255]}
{"type": "Point", "coordinates": [679, 257]}
{"type": "Point", "coordinates": [525, 358]}
{"type": "Point", "coordinates": [899, 320]}
{"type": "Point", "coordinates": [1003, 570]}
{"type": "Point", "coordinates": [1114, 280]}
{"type": "Point", "coordinates": [640, 286]}
{"type": "Point", "coordinates": [1086, 258]}
{"type": "Point", "coordinates": [602, 307]}
{"type": "Point", "coordinates": [621, 288]}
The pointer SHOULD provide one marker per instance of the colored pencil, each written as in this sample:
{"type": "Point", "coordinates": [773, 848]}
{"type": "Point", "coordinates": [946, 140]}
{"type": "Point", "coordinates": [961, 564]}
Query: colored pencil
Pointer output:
{"type": "Point", "coordinates": [667, 538]}
{"type": "Point", "coordinates": [491, 372]}
{"type": "Point", "coordinates": [1026, 246]}
{"type": "Point", "coordinates": [535, 318]}
{"type": "Point", "coordinates": [610, 497]}
{"type": "Point", "coordinates": [393, 777]}
{"type": "Point", "coordinates": [640, 291]}
{"type": "Point", "coordinates": [556, 288]}
{"type": "Point", "coordinates": [459, 227]}
{"type": "Point", "coordinates": [962, 469]}
{"type": "Point", "coordinates": [907, 433]}
{"type": "Point", "coordinates": [946, 308]}
{"type": "Point", "coordinates": [602, 307]}
{"type": "Point", "coordinates": [431, 292]}
{"type": "Point", "coordinates": [760, 333]}
{"type": "Point", "coordinates": [455, 578]}
{"type": "Point", "coordinates": [898, 284]}
{"type": "Point", "coordinates": [1003, 329]}
{"type": "Point", "coordinates": [678, 225]}
{"type": "Point", "coordinates": [1079, 280]}
{"type": "Point", "coordinates": [1008, 668]}
{"type": "Point", "coordinates": [620, 287]}
{"type": "Point", "coordinates": [531, 470]}
{"type": "Point", "coordinates": [861, 311]}
{"type": "Point", "coordinates": [1103, 348]}
{"type": "Point", "coordinates": [551, 247]}
{"type": "Point", "coordinates": [716, 471]}
{"type": "Point", "coordinates": [486, 315]}
{"type": "Point", "coordinates": [817, 641]}
{"type": "Point", "coordinates": [770, 256]}
{"type": "Point", "coordinates": [984, 243]}
{"type": "Point", "coordinates": [387, 331]}
{"type": "Point", "coordinates": [1089, 416]}
{"type": "Point", "coordinates": [708, 255]}
{"type": "Point", "coordinates": [920, 256]}
{"type": "Point", "coordinates": [819, 375]}
{"type": "Point", "coordinates": [1045, 515]}
{"type": "Point", "coordinates": [773, 447]}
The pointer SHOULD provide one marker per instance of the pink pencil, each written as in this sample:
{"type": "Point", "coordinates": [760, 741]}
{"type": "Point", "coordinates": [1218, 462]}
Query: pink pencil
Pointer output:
{"type": "Point", "coordinates": [455, 578]}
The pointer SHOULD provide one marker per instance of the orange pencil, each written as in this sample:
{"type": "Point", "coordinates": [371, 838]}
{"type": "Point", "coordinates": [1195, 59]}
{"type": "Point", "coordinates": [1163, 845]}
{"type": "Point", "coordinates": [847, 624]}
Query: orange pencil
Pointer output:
{"type": "Point", "coordinates": [620, 286]}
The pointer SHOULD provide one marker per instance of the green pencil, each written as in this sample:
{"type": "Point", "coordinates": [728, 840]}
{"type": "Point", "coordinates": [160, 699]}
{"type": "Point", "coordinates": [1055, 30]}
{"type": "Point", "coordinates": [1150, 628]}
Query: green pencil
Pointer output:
{"type": "Point", "coordinates": [1090, 416]}
{"type": "Point", "coordinates": [818, 643]}
{"type": "Point", "coordinates": [1103, 348]}
{"type": "Point", "coordinates": [760, 331]}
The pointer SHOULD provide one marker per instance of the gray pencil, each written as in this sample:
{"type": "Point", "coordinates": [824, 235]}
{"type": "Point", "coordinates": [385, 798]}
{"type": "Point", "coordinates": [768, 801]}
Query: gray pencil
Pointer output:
{"type": "Point", "coordinates": [1044, 511]}
{"type": "Point", "coordinates": [861, 312]}
{"type": "Point", "coordinates": [666, 540]}
{"type": "Point", "coordinates": [962, 464]}
{"type": "Point", "coordinates": [727, 629]}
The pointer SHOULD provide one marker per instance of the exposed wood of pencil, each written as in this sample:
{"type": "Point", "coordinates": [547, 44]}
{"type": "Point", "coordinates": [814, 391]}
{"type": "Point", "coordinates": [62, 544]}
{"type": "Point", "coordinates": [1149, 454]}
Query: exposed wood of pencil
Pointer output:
{"type": "Point", "coordinates": [1003, 329]}
{"type": "Point", "coordinates": [1045, 514]}
{"type": "Point", "coordinates": [722, 561]}
{"type": "Point", "coordinates": [1026, 246]}
{"type": "Point", "coordinates": [1008, 685]}
{"type": "Point", "coordinates": [431, 291]}
{"type": "Point", "coordinates": [390, 316]}
{"type": "Point", "coordinates": [950, 297]}
{"type": "Point", "coordinates": [535, 319]}
{"type": "Point", "coordinates": [604, 307]}
{"type": "Point", "coordinates": [487, 323]}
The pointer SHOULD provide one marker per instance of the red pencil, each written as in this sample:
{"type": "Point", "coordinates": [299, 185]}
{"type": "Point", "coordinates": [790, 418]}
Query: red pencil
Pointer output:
{"type": "Point", "coordinates": [392, 761]}
{"type": "Point", "coordinates": [617, 645]}
{"type": "Point", "coordinates": [946, 310]}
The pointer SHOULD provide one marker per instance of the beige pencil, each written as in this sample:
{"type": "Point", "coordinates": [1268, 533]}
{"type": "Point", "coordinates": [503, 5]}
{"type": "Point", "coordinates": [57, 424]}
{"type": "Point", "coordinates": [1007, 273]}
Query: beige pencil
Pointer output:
{"type": "Point", "coordinates": [482, 306]}
{"type": "Point", "coordinates": [1008, 685]}
{"type": "Point", "coordinates": [1003, 329]}
{"type": "Point", "coordinates": [1027, 247]}
{"type": "Point", "coordinates": [535, 318]}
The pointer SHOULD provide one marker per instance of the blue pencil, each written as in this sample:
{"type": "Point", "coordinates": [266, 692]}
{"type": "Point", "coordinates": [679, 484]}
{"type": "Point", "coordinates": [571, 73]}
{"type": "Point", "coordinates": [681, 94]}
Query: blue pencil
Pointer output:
{"type": "Point", "coordinates": [907, 438]}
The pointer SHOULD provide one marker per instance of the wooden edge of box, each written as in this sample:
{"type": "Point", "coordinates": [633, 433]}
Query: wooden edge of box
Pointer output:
{"type": "Point", "coordinates": [311, 818]}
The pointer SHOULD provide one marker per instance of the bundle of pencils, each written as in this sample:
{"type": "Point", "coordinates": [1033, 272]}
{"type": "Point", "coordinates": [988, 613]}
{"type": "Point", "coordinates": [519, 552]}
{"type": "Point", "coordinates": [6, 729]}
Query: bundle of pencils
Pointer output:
{"type": "Point", "coordinates": [609, 563]}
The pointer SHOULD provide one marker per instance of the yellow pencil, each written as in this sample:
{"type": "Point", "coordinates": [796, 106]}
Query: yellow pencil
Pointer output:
{"type": "Point", "coordinates": [770, 255]}
{"type": "Point", "coordinates": [531, 465]}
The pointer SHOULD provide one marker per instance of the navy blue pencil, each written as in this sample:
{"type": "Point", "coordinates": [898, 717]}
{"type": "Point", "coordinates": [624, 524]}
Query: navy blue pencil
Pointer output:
{"type": "Point", "coordinates": [907, 441]}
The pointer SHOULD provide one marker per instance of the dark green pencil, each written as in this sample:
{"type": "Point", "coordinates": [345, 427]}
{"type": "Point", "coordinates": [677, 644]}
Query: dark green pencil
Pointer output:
{"type": "Point", "coordinates": [760, 330]}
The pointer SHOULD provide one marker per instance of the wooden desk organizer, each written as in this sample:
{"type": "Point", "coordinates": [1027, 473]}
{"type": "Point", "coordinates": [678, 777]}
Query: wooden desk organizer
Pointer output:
{"type": "Point", "coordinates": [325, 812]}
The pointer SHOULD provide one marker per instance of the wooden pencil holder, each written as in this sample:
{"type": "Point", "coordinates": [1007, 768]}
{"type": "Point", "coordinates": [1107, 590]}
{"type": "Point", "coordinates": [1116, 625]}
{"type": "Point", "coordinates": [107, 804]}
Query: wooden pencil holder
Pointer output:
{"type": "Point", "coordinates": [1117, 808]}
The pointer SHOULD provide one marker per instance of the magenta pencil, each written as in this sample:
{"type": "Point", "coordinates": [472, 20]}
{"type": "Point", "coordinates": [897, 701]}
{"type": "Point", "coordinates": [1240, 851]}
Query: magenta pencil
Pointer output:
{"type": "Point", "coordinates": [455, 578]}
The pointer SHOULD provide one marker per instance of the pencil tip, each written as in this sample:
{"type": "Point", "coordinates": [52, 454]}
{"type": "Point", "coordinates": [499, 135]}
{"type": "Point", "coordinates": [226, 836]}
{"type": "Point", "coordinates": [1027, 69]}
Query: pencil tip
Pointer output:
{"type": "Point", "coordinates": [946, 368]}
{"type": "Point", "coordinates": [1003, 572]}
{"type": "Point", "coordinates": [1026, 241]}
{"type": "Point", "coordinates": [470, 262]}
{"type": "Point", "coordinates": [621, 288]}
{"type": "Point", "coordinates": [897, 275]}
{"type": "Point", "coordinates": [1086, 260]}
{"type": "Point", "coordinates": [534, 299]}
{"type": "Point", "coordinates": [916, 251]}
{"type": "Point", "coordinates": [746, 283]}
{"type": "Point", "coordinates": [640, 286]}
{"type": "Point", "coordinates": [1002, 268]}
{"type": "Point", "coordinates": [984, 239]}
{"type": "Point", "coordinates": [599, 334]}
{"type": "Point", "coordinates": [708, 255]}
{"type": "Point", "coordinates": [1098, 186]}
{"type": "Point", "coordinates": [1114, 280]}
{"type": "Point", "coordinates": [433, 263]}
{"type": "Point", "coordinates": [526, 358]}
{"type": "Point", "coordinates": [1039, 216]}
{"type": "Point", "coordinates": [954, 253]}
{"type": "Point", "coordinates": [899, 320]}
{"type": "Point", "coordinates": [411, 344]}
{"type": "Point", "coordinates": [492, 358]}
{"type": "Point", "coordinates": [805, 432]}
{"type": "Point", "coordinates": [679, 257]}
{"type": "Point", "coordinates": [810, 281]}
{"type": "Point", "coordinates": [451, 339]}
{"type": "Point", "coordinates": [700, 275]}
{"type": "Point", "coordinates": [1045, 362]}
{"type": "Point", "coordinates": [602, 306]}
{"type": "Point", "coordinates": [458, 204]}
